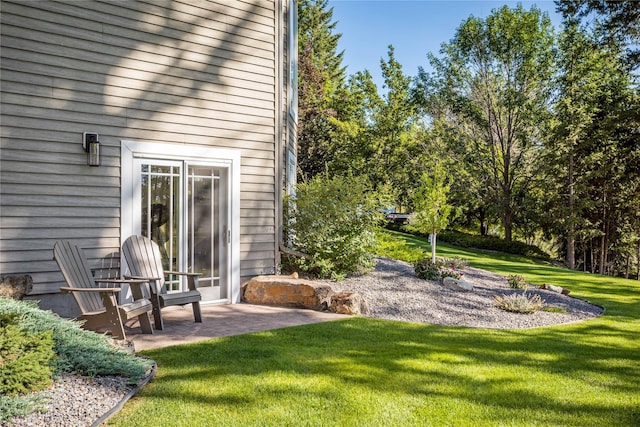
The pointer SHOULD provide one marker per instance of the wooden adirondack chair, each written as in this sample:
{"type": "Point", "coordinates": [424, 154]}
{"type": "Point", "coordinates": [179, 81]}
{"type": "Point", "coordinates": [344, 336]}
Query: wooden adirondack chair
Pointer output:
{"type": "Point", "coordinates": [99, 305]}
{"type": "Point", "coordinates": [145, 262]}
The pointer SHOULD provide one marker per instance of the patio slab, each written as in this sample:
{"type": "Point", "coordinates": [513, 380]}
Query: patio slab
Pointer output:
{"type": "Point", "coordinates": [221, 321]}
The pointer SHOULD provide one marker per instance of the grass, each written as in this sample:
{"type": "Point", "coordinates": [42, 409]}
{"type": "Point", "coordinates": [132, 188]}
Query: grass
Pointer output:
{"type": "Point", "coordinates": [367, 372]}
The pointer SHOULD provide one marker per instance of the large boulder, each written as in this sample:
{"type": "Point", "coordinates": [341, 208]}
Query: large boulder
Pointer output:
{"type": "Point", "coordinates": [348, 303]}
{"type": "Point", "coordinates": [287, 291]}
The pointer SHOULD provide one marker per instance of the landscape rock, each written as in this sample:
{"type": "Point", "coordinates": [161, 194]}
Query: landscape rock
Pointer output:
{"type": "Point", "coordinates": [287, 291]}
{"type": "Point", "coordinates": [15, 287]}
{"type": "Point", "coordinates": [556, 289]}
{"type": "Point", "coordinates": [348, 303]}
{"type": "Point", "coordinates": [457, 284]}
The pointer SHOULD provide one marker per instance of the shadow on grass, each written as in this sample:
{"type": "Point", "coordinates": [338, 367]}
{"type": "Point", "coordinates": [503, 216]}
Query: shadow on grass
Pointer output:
{"type": "Point", "coordinates": [556, 375]}
{"type": "Point", "coordinates": [379, 372]}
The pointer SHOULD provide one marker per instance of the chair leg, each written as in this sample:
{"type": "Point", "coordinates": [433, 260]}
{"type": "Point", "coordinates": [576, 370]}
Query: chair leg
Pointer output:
{"type": "Point", "coordinates": [197, 314]}
{"type": "Point", "coordinates": [113, 318]}
{"type": "Point", "coordinates": [157, 316]}
{"type": "Point", "coordinates": [145, 323]}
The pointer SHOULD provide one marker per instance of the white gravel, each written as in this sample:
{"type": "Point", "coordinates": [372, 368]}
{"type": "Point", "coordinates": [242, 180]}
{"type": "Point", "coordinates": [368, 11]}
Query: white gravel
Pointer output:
{"type": "Point", "coordinates": [76, 401]}
{"type": "Point", "coordinates": [393, 292]}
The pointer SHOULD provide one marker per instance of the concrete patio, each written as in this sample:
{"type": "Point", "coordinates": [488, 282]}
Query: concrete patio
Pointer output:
{"type": "Point", "coordinates": [222, 321]}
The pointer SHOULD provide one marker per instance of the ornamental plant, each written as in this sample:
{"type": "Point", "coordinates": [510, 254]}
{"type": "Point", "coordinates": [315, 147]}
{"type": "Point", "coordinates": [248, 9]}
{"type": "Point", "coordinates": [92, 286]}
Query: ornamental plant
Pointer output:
{"type": "Point", "coordinates": [517, 281]}
{"type": "Point", "coordinates": [519, 303]}
{"type": "Point", "coordinates": [331, 222]}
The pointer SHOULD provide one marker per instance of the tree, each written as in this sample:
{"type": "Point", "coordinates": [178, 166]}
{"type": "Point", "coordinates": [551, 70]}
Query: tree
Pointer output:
{"type": "Point", "coordinates": [393, 131]}
{"type": "Point", "coordinates": [616, 22]}
{"type": "Point", "coordinates": [492, 85]}
{"type": "Point", "coordinates": [321, 76]}
{"type": "Point", "coordinates": [432, 211]}
{"type": "Point", "coordinates": [592, 156]}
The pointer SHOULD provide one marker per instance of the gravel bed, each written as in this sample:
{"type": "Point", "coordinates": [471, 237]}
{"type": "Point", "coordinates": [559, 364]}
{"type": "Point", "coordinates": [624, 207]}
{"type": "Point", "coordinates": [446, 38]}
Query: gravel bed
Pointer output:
{"type": "Point", "coordinates": [76, 401]}
{"type": "Point", "coordinates": [393, 292]}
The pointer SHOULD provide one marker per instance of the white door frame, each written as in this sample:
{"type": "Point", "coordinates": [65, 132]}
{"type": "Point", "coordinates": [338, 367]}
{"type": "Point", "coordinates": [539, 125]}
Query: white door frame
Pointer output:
{"type": "Point", "coordinates": [129, 211]}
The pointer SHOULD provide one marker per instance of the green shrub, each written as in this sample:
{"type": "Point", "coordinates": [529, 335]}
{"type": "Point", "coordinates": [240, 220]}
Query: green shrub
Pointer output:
{"type": "Point", "coordinates": [517, 281]}
{"type": "Point", "coordinates": [18, 406]}
{"type": "Point", "coordinates": [443, 267]}
{"type": "Point", "coordinates": [79, 351]}
{"type": "Point", "coordinates": [519, 303]}
{"type": "Point", "coordinates": [25, 359]}
{"type": "Point", "coordinates": [427, 270]}
{"type": "Point", "coordinates": [332, 220]}
{"type": "Point", "coordinates": [449, 272]}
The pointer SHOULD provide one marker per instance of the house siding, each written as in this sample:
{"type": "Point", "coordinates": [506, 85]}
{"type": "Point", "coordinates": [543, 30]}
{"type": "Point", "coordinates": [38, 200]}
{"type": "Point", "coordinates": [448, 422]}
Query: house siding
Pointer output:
{"type": "Point", "coordinates": [200, 73]}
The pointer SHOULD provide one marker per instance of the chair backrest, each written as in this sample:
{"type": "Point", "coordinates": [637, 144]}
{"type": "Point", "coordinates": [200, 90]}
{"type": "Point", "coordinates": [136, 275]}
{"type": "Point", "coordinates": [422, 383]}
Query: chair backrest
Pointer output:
{"type": "Point", "coordinates": [77, 274]}
{"type": "Point", "coordinates": [143, 258]}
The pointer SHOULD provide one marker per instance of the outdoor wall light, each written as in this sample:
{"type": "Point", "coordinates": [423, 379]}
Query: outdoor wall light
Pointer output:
{"type": "Point", "coordinates": [91, 145]}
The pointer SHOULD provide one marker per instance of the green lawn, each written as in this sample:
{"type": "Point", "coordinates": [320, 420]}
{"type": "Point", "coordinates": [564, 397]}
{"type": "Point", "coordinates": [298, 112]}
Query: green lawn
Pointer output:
{"type": "Point", "coordinates": [365, 372]}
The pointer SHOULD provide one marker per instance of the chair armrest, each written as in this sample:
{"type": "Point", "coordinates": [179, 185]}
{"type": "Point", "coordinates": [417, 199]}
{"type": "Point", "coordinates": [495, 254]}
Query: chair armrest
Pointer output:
{"type": "Point", "coordinates": [145, 279]}
{"type": "Point", "coordinates": [98, 290]}
{"type": "Point", "coordinates": [132, 281]}
{"type": "Point", "coordinates": [192, 278]}
{"type": "Point", "coordinates": [182, 273]}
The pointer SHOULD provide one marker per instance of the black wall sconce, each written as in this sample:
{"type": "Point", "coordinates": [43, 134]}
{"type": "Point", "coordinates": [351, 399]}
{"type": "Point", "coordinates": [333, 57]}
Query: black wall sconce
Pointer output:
{"type": "Point", "coordinates": [91, 145]}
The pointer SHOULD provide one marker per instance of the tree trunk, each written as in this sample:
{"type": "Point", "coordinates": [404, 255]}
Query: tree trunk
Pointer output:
{"type": "Point", "coordinates": [627, 266]}
{"type": "Point", "coordinates": [603, 239]}
{"type": "Point", "coordinates": [571, 232]}
{"type": "Point", "coordinates": [433, 248]}
{"type": "Point", "coordinates": [593, 267]}
{"type": "Point", "coordinates": [638, 277]}
{"type": "Point", "coordinates": [603, 259]}
{"type": "Point", "coordinates": [507, 223]}
{"type": "Point", "coordinates": [482, 218]}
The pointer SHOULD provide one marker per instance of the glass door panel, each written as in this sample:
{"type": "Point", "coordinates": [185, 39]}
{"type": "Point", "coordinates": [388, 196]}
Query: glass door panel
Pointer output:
{"type": "Point", "coordinates": [206, 229]}
{"type": "Point", "coordinates": [160, 211]}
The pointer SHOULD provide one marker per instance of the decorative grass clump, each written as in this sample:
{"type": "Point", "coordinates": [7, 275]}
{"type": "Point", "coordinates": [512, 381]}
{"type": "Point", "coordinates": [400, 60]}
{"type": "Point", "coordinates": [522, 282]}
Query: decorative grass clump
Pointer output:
{"type": "Point", "coordinates": [517, 281]}
{"type": "Point", "coordinates": [519, 303]}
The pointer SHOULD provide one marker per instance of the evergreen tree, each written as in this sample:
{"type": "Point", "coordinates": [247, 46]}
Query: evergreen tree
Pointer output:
{"type": "Point", "coordinates": [321, 77]}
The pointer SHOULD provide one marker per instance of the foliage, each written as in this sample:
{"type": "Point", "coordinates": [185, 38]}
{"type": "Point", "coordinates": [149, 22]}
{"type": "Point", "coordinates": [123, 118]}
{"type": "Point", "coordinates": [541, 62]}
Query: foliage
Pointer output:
{"type": "Point", "coordinates": [519, 303]}
{"type": "Point", "coordinates": [333, 222]}
{"type": "Point", "coordinates": [18, 406]}
{"type": "Point", "coordinates": [321, 76]}
{"type": "Point", "coordinates": [25, 359]}
{"type": "Point", "coordinates": [517, 281]}
{"type": "Point", "coordinates": [426, 269]}
{"type": "Point", "coordinates": [76, 351]}
{"type": "Point", "coordinates": [431, 209]}
{"type": "Point", "coordinates": [394, 248]}
{"type": "Point", "coordinates": [616, 22]}
{"type": "Point", "coordinates": [492, 87]}
{"type": "Point", "coordinates": [79, 351]}
{"type": "Point", "coordinates": [492, 243]}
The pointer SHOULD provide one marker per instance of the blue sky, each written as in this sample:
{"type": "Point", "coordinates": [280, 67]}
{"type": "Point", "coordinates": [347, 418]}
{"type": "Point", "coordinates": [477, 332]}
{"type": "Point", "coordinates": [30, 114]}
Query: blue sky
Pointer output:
{"type": "Point", "coordinates": [413, 27]}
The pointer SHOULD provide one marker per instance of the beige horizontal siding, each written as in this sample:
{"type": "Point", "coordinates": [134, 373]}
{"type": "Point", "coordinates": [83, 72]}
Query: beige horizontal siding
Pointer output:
{"type": "Point", "coordinates": [181, 72]}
